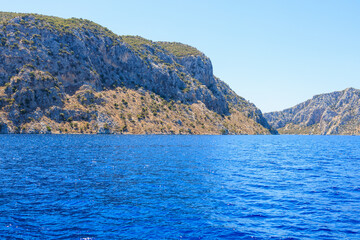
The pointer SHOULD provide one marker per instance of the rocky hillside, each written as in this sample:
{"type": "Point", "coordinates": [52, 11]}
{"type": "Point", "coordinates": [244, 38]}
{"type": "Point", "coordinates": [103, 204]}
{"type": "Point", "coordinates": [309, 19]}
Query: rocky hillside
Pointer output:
{"type": "Point", "coordinates": [74, 76]}
{"type": "Point", "coordinates": [331, 113]}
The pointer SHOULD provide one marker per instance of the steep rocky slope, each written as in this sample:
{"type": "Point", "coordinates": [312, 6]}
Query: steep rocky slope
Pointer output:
{"type": "Point", "coordinates": [72, 75]}
{"type": "Point", "coordinates": [331, 113]}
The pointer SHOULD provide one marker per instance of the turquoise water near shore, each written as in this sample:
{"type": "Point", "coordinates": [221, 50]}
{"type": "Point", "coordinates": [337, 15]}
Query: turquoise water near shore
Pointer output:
{"type": "Point", "coordinates": [179, 187]}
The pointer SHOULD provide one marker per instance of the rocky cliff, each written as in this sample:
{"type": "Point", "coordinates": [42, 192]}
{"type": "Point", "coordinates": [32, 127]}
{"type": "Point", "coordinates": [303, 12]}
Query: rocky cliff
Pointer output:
{"type": "Point", "coordinates": [72, 75]}
{"type": "Point", "coordinates": [331, 113]}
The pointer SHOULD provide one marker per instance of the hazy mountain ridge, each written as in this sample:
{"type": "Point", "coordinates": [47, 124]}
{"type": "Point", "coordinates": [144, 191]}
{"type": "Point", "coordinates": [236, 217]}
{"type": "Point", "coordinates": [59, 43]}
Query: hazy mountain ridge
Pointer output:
{"type": "Point", "coordinates": [331, 113]}
{"type": "Point", "coordinates": [57, 72]}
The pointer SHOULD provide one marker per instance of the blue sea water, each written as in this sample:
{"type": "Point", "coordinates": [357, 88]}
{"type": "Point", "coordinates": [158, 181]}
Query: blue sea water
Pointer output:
{"type": "Point", "coordinates": [179, 187]}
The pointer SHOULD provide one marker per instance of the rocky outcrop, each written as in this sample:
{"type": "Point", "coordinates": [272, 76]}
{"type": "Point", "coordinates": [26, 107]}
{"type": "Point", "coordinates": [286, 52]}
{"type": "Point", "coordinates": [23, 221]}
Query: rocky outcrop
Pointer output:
{"type": "Point", "coordinates": [48, 62]}
{"type": "Point", "coordinates": [331, 113]}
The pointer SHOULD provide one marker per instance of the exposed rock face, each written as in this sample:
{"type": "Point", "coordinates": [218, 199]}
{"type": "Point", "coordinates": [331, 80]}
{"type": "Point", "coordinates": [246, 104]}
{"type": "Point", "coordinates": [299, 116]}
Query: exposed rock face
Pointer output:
{"type": "Point", "coordinates": [331, 113]}
{"type": "Point", "coordinates": [48, 62]}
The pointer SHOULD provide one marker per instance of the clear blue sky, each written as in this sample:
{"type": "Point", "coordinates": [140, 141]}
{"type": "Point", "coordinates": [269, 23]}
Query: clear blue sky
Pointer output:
{"type": "Point", "coordinates": [274, 53]}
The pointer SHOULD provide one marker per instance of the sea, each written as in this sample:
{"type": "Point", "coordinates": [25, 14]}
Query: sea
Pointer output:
{"type": "Point", "coordinates": [179, 187]}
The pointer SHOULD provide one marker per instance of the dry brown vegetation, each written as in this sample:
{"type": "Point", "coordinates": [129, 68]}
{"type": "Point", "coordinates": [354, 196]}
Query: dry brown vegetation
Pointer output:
{"type": "Point", "coordinates": [126, 111]}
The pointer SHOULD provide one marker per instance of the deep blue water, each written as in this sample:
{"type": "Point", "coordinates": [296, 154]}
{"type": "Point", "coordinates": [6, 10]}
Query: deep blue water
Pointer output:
{"type": "Point", "coordinates": [179, 187]}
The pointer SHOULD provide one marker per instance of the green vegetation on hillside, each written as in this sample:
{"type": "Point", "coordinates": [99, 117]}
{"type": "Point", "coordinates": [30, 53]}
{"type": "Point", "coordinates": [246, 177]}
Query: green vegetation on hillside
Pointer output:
{"type": "Point", "coordinates": [179, 49]}
{"type": "Point", "coordinates": [61, 25]}
{"type": "Point", "coordinates": [141, 46]}
{"type": "Point", "coordinates": [67, 26]}
{"type": "Point", "coordinates": [138, 43]}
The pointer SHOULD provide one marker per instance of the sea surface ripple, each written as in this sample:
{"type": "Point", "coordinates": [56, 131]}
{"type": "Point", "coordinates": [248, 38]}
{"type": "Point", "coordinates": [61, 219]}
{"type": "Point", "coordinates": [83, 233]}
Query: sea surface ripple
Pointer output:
{"type": "Point", "coordinates": [179, 187]}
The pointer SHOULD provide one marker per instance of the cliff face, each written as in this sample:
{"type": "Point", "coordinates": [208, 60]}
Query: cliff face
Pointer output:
{"type": "Point", "coordinates": [331, 113]}
{"type": "Point", "coordinates": [58, 71]}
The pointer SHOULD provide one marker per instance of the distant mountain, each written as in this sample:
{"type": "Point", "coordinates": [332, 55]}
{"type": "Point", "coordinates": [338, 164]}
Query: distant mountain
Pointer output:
{"type": "Point", "coordinates": [330, 113]}
{"type": "Point", "coordinates": [74, 76]}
